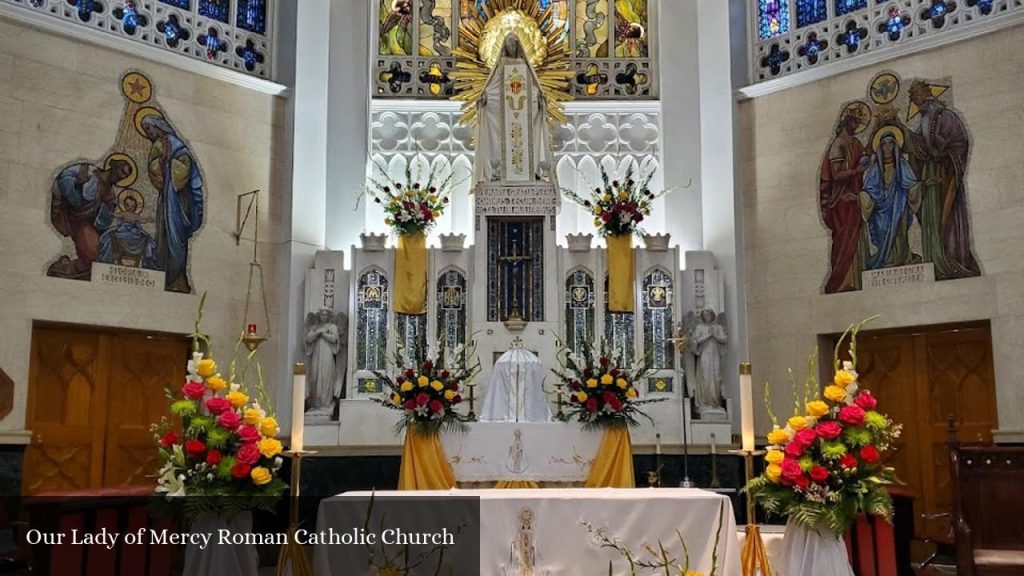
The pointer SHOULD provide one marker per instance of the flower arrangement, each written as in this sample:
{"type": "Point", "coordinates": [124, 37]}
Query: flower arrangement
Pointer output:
{"type": "Point", "coordinates": [825, 465]}
{"type": "Point", "coordinates": [411, 206]}
{"type": "Point", "coordinates": [619, 207]}
{"type": "Point", "coordinates": [601, 394]}
{"type": "Point", "coordinates": [226, 446]}
{"type": "Point", "coordinates": [427, 392]}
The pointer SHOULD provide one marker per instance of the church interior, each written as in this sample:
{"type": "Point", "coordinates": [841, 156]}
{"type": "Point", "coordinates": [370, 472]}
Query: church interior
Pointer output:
{"type": "Point", "coordinates": [511, 287]}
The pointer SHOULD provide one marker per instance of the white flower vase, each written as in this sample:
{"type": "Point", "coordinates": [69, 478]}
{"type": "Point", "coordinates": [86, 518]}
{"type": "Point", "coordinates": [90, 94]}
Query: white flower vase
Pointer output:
{"type": "Point", "coordinates": [813, 552]}
{"type": "Point", "coordinates": [221, 559]}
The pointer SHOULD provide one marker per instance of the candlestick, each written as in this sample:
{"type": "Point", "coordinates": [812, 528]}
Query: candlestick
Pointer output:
{"type": "Point", "coordinates": [657, 445]}
{"type": "Point", "coordinates": [292, 558]}
{"type": "Point", "coordinates": [298, 405]}
{"type": "Point", "coordinates": [753, 557]}
{"type": "Point", "coordinates": [472, 414]}
{"type": "Point", "coordinates": [716, 482]}
{"type": "Point", "coordinates": [746, 407]}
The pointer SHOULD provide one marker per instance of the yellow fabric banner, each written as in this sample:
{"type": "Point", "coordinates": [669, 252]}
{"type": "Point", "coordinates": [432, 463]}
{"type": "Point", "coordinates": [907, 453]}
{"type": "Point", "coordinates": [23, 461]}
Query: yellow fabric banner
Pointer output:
{"type": "Point", "coordinates": [620, 273]}
{"type": "Point", "coordinates": [613, 467]}
{"type": "Point", "coordinates": [411, 274]}
{"type": "Point", "coordinates": [424, 466]}
{"type": "Point", "coordinates": [513, 484]}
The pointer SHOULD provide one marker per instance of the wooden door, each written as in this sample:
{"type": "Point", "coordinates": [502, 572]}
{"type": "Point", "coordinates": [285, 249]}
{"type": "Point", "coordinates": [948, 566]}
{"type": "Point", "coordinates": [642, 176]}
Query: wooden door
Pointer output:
{"type": "Point", "coordinates": [92, 397]}
{"type": "Point", "coordinates": [922, 377]}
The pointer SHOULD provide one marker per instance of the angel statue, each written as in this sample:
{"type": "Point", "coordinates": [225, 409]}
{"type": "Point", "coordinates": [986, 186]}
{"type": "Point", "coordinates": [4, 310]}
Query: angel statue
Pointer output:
{"type": "Point", "coordinates": [706, 350]}
{"type": "Point", "coordinates": [327, 361]}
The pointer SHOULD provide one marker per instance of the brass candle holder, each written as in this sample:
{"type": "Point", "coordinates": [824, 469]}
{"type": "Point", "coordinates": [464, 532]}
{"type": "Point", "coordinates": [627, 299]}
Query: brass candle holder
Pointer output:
{"type": "Point", "coordinates": [753, 557]}
{"type": "Point", "coordinates": [292, 555]}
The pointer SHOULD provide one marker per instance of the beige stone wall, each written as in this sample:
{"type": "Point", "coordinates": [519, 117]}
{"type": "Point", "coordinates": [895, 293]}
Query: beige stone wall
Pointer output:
{"type": "Point", "coordinates": [783, 138]}
{"type": "Point", "coordinates": [60, 101]}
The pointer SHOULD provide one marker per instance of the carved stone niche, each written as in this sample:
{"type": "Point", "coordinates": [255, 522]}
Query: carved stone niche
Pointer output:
{"type": "Point", "coordinates": [657, 242]}
{"type": "Point", "coordinates": [374, 242]}
{"type": "Point", "coordinates": [579, 242]}
{"type": "Point", "coordinates": [453, 242]}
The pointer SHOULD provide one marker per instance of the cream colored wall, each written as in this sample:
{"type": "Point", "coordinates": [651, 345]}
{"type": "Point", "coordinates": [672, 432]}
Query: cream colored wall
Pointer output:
{"type": "Point", "coordinates": [60, 101]}
{"type": "Point", "coordinates": [783, 137]}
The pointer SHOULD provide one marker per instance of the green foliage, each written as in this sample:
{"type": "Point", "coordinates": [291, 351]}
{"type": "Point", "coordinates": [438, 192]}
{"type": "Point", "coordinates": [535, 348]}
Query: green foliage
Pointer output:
{"type": "Point", "coordinates": [217, 438]}
{"type": "Point", "coordinates": [184, 407]}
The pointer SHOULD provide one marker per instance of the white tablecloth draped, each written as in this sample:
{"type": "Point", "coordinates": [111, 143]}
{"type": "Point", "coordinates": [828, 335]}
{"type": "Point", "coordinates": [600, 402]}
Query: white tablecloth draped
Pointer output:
{"type": "Point", "coordinates": [557, 540]}
{"type": "Point", "coordinates": [516, 391]}
{"type": "Point", "coordinates": [538, 451]}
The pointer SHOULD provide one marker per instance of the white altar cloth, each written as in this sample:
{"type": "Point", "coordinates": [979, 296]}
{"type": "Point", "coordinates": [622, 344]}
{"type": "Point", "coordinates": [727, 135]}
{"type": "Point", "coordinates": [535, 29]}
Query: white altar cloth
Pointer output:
{"type": "Point", "coordinates": [561, 543]}
{"type": "Point", "coordinates": [516, 391]}
{"type": "Point", "coordinates": [537, 451]}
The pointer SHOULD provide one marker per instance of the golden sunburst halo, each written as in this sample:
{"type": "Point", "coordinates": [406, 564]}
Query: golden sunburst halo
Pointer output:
{"type": "Point", "coordinates": [482, 38]}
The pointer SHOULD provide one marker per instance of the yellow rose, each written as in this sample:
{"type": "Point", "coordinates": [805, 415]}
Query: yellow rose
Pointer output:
{"type": "Point", "coordinates": [597, 210]}
{"type": "Point", "coordinates": [432, 198]}
{"type": "Point", "coordinates": [270, 447]}
{"type": "Point", "coordinates": [216, 383]}
{"type": "Point", "coordinates": [606, 379]}
{"type": "Point", "coordinates": [252, 417]}
{"type": "Point", "coordinates": [581, 396]}
{"type": "Point", "coordinates": [631, 393]}
{"type": "Point", "coordinates": [388, 221]}
{"type": "Point", "coordinates": [423, 381]}
{"type": "Point", "coordinates": [437, 385]}
{"type": "Point", "coordinates": [449, 395]}
{"type": "Point", "coordinates": [773, 472]}
{"type": "Point", "coordinates": [268, 427]}
{"type": "Point", "coordinates": [817, 409]}
{"type": "Point", "coordinates": [260, 476]}
{"type": "Point", "coordinates": [597, 222]}
{"type": "Point", "coordinates": [621, 383]}
{"type": "Point", "coordinates": [797, 423]}
{"type": "Point", "coordinates": [835, 393]}
{"type": "Point", "coordinates": [206, 367]}
{"type": "Point", "coordinates": [406, 386]}
{"type": "Point", "coordinates": [607, 197]}
{"type": "Point", "coordinates": [775, 457]}
{"type": "Point", "coordinates": [436, 214]}
{"type": "Point", "coordinates": [623, 195]}
{"type": "Point", "coordinates": [778, 436]}
{"type": "Point", "coordinates": [396, 399]}
{"type": "Point", "coordinates": [236, 398]}
{"type": "Point", "coordinates": [844, 378]}
{"type": "Point", "coordinates": [591, 383]}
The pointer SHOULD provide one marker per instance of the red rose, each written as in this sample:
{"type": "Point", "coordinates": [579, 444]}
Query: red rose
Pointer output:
{"type": "Point", "coordinates": [248, 454]}
{"type": "Point", "coordinates": [193, 390]}
{"type": "Point", "coordinates": [587, 373]}
{"type": "Point", "coordinates": [829, 430]}
{"type": "Point", "coordinates": [866, 401]}
{"type": "Point", "coordinates": [794, 450]}
{"type": "Point", "coordinates": [806, 437]}
{"type": "Point", "coordinates": [791, 469]}
{"type": "Point", "coordinates": [410, 404]}
{"type": "Point", "coordinates": [869, 454]}
{"type": "Point", "coordinates": [241, 471]}
{"type": "Point", "coordinates": [614, 372]}
{"type": "Point", "coordinates": [436, 406]}
{"type": "Point", "coordinates": [819, 474]}
{"type": "Point", "coordinates": [422, 398]}
{"type": "Point", "coordinates": [445, 374]}
{"type": "Point", "coordinates": [604, 361]}
{"type": "Point", "coordinates": [848, 461]}
{"type": "Point", "coordinates": [454, 385]}
{"type": "Point", "coordinates": [852, 415]}
{"type": "Point", "coordinates": [217, 405]}
{"type": "Point", "coordinates": [248, 434]}
{"type": "Point", "coordinates": [428, 366]}
{"type": "Point", "coordinates": [195, 448]}
{"type": "Point", "coordinates": [592, 404]}
{"type": "Point", "coordinates": [457, 399]}
{"type": "Point", "coordinates": [229, 420]}
{"type": "Point", "coordinates": [638, 217]}
{"type": "Point", "coordinates": [608, 396]}
{"type": "Point", "coordinates": [574, 386]}
{"type": "Point", "coordinates": [616, 404]}
{"type": "Point", "coordinates": [213, 457]}
{"type": "Point", "coordinates": [169, 439]}
{"type": "Point", "coordinates": [410, 373]}
{"type": "Point", "coordinates": [802, 482]}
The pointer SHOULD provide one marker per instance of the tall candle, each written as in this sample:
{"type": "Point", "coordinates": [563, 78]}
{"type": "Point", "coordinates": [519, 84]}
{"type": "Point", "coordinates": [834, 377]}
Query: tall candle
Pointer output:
{"type": "Point", "coordinates": [657, 445]}
{"type": "Point", "coordinates": [712, 443]}
{"type": "Point", "coordinates": [747, 407]}
{"type": "Point", "coordinates": [298, 405]}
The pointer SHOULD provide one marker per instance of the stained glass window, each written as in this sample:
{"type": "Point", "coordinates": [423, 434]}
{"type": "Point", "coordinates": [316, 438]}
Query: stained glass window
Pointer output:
{"type": "Point", "coordinates": [411, 334]}
{"type": "Point", "coordinates": [395, 28]}
{"type": "Point", "coordinates": [451, 309]}
{"type": "Point", "coordinates": [772, 18]}
{"type": "Point", "coordinates": [810, 12]}
{"type": "Point", "coordinates": [186, 4]}
{"type": "Point", "coordinates": [631, 28]}
{"type": "Point", "coordinates": [579, 310]}
{"type": "Point", "coordinates": [847, 6]}
{"type": "Point", "coordinates": [252, 15]}
{"type": "Point", "coordinates": [372, 303]}
{"type": "Point", "coordinates": [216, 9]}
{"type": "Point", "coordinates": [591, 29]}
{"type": "Point", "coordinates": [657, 301]}
{"type": "Point", "coordinates": [620, 333]}
{"type": "Point", "coordinates": [435, 27]}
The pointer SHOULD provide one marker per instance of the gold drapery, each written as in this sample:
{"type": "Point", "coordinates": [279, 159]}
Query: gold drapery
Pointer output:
{"type": "Point", "coordinates": [613, 466]}
{"type": "Point", "coordinates": [620, 273]}
{"type": "Point", "coordinates": [411, 274]}
{"type": "Point", "coordinates": [424, 466]}
{"type": "Point", "coordinates": [513, 484]}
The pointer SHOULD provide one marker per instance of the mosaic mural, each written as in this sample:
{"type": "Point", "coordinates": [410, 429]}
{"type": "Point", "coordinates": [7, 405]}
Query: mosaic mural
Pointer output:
{"type": "Point", "coordinates": [135, 210]}
{"type": "Point", "coordinates": [892, 188]}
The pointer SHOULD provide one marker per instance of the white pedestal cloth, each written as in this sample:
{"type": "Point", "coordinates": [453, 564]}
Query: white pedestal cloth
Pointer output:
{"type": "Point", "coordinates": [516, 392]}
{"type": "Point", "coordinates": [221, 559]}
{"type": "Point", "coordinates": [538, 451]}
{"type": "Point", "coordinates": [557, 540]}
{"type": "Point", "coordinates": [807, 552]}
